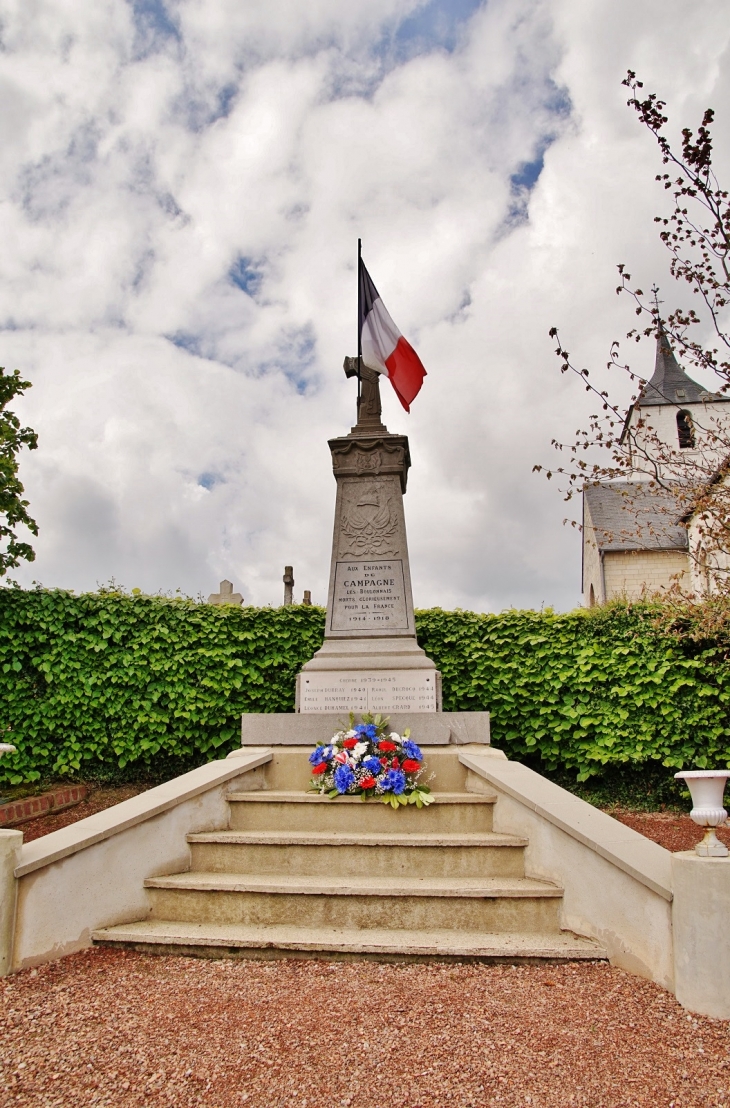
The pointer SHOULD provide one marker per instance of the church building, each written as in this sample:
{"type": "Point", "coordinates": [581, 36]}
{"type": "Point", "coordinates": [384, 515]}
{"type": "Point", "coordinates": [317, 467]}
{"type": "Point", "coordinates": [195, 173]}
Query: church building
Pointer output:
{"type": "Point", "coordinates": [635, 533]}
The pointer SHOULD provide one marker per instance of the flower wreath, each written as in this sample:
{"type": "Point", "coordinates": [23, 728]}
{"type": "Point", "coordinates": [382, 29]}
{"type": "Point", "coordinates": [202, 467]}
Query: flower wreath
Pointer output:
{"type": "Point", "coordinates": [369, 760]}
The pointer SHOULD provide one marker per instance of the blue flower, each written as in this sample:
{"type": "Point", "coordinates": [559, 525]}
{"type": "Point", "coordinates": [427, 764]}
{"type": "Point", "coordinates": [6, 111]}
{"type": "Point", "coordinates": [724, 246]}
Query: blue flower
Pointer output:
{"type": "Point", "coordinates": [321, 754]}
{"type": "Point", "coordinates": [372, 765]}
{"type": "Point", "coordinates": [366, 731]}
{"type": "Point", "coordinates": [393, 782]}
{"type": "Point", "coordinates": [412, 750]}
{"type": "Point", "coordinates": [344, 777]}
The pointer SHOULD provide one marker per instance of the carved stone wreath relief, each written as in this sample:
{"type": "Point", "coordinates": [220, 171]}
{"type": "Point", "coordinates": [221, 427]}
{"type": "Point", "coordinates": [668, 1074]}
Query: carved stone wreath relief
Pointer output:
{"type": "Point", "coordinates": [369, 525]}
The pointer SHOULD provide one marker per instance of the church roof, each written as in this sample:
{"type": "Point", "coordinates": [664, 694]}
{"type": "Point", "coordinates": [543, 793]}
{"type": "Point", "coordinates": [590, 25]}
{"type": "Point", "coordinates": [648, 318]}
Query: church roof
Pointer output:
{"type": "Point", "coordinates": [670, 384]}
{"type": "Point", "coordinates": [630, 515]}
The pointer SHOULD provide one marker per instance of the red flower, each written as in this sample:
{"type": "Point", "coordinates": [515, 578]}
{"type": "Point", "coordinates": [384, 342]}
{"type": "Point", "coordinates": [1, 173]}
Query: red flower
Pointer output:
{"type": "Point", "coordinates": [383, 761]}
{"type": "Point", "coordinates": [395, 764]}
{"type": "Point", "coordinates": [410, 765]}
{"type": "Point", "coordinates": [321, 768]}
{"type": "Point", "coordinates": [368, 783]}
{"type": "Point", "coordinates": [385, 745]}
{"type": "Point", "coordinates": [350, 743]}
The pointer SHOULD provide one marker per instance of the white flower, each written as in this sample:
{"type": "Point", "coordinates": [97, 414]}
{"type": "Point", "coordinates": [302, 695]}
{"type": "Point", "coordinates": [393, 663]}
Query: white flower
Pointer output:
{"type": "Point", "coordinates": [348, 734]}
{"type": "Point", "coordinates": [358, 751]}
{"type": "Point", "coordinates": [394, 737]}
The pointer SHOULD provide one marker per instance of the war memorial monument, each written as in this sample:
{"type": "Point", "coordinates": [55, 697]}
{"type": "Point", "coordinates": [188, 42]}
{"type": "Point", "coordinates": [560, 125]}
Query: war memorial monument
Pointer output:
{"type": "Point", "coordinates": [330, 833]}
{"type": "Point", "coordinates": [370, 661]}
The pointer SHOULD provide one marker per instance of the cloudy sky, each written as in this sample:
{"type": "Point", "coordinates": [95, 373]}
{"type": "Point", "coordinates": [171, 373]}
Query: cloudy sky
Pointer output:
{"type": "Point", "coordinates": [182, 186]}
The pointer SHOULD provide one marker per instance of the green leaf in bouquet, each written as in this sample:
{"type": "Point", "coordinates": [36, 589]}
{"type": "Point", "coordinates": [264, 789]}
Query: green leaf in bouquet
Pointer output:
{"type": "Point", "coordinates": [333, 793]}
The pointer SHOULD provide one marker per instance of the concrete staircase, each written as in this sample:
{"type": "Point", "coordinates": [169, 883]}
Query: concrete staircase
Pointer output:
{"type": "Point", "coordinates": [299, 874]}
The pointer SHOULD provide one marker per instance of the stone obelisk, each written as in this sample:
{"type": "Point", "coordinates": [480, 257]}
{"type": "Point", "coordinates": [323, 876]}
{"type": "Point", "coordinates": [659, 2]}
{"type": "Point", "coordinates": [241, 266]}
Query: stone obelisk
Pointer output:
{"type": "Point", "coordinates": [370, 660]}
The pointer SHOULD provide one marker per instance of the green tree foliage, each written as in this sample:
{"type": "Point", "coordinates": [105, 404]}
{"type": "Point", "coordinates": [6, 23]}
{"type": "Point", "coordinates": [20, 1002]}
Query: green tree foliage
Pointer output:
{"type": "Point", "coordinates": [107, 681]}
{"type": "Point", "coordinates": [13, 509]}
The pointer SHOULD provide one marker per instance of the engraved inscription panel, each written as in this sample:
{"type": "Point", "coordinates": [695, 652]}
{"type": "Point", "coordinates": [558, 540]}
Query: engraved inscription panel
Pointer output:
{"type": "Point", "coordinates": [404, 690]}
{"type": "Point", "coordinates": [369, 596]}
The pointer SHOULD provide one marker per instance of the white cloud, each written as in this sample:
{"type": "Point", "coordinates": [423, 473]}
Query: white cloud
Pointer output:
{"type": "Point", "coordinates": [182, 189]}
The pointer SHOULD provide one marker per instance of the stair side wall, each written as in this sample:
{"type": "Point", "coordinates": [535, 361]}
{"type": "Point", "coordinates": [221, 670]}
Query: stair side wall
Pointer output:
{"type": "Point", "coordinates": [616, 890]}
{"type": "Point", "coordinates": [91, 874]}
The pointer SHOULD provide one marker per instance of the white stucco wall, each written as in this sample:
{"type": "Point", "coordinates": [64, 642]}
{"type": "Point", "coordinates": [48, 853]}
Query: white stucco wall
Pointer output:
{"type": "Point", "coordinates": [632, 572]}
{"type": "Point", "coordinates": [662, 419]}
{"type": "Point", "coordinates": [92, 874]}
{"type": "Point", "coordinates": [617, 884]}
{"type": "Point", "coordinates": [592, 575]}
{"type": "Point", "coordinates": [709, 567]}
{"type": "Point", "coordinates": [699, 915]}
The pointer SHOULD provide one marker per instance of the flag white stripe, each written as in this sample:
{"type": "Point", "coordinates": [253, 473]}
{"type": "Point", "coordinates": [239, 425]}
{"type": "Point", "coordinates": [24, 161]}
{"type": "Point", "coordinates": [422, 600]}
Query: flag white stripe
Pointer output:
{"type": "Point", "coordinates": [379, 337]}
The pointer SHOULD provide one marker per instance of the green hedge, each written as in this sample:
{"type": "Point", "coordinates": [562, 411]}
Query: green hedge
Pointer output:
{"type": "Point", "coordinates": [111, 682]}
{"type": "Point", "coordinates": [106, 679]}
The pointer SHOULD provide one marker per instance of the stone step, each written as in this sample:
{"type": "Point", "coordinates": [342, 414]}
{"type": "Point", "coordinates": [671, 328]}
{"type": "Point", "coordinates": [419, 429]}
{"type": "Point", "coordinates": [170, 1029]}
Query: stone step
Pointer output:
{"type": "Point", "coordinates": [290, 769]}
{"type": "Point", "coordinates": [417, 854]}
{"type": "Point", "coordinates": [231, 940]}
{"type": "Point", "coordinates": [472, 904]}
{"type": "Point", "coordinates": [279, 810]}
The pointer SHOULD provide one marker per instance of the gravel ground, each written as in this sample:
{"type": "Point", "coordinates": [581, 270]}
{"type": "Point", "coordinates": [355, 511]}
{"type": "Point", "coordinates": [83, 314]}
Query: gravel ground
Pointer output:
{"type": "Point", "coordinates": [117, 1029]}
{"type": "Point", "coordinates": [100, 797]}
{"type": "Point", "coordinates": [672, 830]}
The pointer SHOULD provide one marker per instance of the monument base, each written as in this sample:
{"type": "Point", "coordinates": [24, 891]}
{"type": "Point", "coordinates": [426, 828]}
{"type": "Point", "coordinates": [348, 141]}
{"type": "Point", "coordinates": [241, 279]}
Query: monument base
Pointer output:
{"type": "Point", "coordinates": [428, 728]}
{"type": "Point", "coordinates": [369, 675]}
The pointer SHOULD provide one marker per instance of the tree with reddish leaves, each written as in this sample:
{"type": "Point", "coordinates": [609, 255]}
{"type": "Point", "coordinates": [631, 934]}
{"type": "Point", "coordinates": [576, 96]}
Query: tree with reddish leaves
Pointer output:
{"type": "Point", "coordinates": [616, 446]}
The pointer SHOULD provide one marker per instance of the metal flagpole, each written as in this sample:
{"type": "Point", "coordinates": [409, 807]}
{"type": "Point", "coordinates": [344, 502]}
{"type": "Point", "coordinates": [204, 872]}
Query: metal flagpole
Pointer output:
{"type": "Point", "coordinates": [359, 330]}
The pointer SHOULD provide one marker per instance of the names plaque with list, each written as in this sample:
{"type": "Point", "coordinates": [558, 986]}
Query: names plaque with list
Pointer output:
{"type": "Point", "coordinates": [377, 691]}
{"type": "Point", "coordinates": [369, 596]}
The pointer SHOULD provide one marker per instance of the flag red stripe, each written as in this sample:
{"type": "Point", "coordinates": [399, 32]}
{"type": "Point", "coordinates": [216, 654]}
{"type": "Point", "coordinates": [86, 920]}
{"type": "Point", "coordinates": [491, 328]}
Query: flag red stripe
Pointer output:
{"type": "Point", "coordinates": [405, 372]}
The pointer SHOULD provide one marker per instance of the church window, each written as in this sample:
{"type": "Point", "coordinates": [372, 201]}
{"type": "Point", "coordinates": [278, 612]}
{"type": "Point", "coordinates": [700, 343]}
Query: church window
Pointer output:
{"type": "Point", "coordinates": [685, 430]}
{"type": "Point", "coordinates": [592, 598]}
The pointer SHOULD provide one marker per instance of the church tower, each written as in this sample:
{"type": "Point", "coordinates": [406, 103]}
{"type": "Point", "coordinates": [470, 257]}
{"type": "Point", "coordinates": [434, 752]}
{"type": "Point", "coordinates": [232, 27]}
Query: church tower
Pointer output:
{"type": "Point", "coordinates": [634, 539]}
{"type": "Point", "coordinates": [675, 408]}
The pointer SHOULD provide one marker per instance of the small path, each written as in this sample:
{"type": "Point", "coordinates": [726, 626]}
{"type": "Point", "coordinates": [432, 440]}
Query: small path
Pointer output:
{"type": "Point", "coordinates": [116, 1029]}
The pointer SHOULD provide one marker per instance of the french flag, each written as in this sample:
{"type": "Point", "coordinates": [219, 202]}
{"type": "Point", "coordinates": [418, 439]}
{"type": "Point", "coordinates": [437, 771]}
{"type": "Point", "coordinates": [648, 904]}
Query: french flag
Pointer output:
{"type": "Point", "coordinates": [383, 346]}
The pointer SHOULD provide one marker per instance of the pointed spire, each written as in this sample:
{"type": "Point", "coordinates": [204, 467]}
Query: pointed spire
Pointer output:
{"type": "Point", "coordinates": [670, 384]}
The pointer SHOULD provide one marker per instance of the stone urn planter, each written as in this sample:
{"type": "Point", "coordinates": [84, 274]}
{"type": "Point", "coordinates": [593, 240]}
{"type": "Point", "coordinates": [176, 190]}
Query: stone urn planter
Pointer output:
{"type": "Point", "coordinates": [706, 787]}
